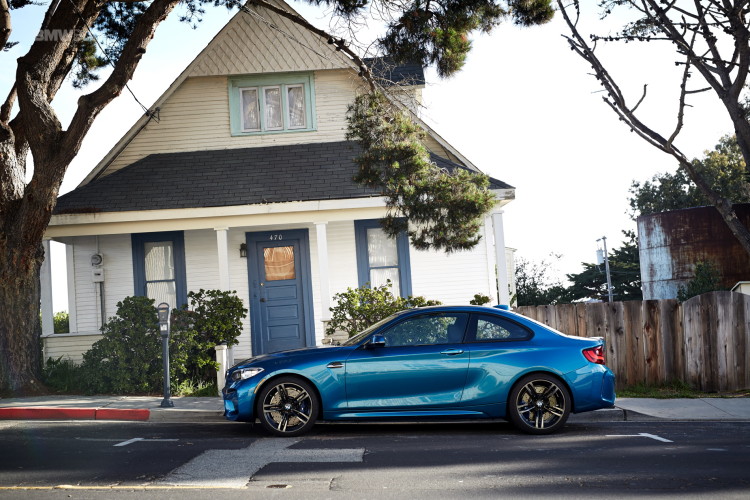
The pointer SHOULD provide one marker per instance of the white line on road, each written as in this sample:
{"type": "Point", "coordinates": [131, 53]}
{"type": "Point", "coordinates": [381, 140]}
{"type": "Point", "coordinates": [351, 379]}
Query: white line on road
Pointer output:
{"type": "Point", "coordinates": [135, 440]}
{"type": "Point", "coordinates": [643, 434]}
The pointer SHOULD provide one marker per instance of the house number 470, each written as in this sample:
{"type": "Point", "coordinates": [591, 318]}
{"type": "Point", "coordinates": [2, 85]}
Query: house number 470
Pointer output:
{"type": "Point", "coordinates": [276, 237]}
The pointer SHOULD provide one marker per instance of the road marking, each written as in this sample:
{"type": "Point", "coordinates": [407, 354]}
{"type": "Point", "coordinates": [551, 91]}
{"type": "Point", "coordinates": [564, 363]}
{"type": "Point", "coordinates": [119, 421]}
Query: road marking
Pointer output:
{"type": "Point", "coordinates": [235, 468]}
{"type": "Point", "coordinates": [135, 440]}
{"type": "Point", "coordinates": [643, 434]}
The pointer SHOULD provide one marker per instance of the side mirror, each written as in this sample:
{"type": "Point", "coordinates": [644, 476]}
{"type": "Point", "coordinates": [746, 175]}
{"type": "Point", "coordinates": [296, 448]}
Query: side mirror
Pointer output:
{"type": "Point", "coordinates": [376, 341]}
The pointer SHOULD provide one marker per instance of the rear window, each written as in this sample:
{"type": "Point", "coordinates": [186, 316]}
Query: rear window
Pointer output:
{"type": "Point", "coordinates": [490, 328]}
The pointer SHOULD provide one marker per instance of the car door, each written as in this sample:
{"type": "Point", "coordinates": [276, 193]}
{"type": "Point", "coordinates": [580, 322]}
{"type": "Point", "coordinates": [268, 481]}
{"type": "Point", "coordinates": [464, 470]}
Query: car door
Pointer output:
{"type": "Point", "coordinates": [499, 349]}
{"type": "Point", "coordinates": [423, 365]}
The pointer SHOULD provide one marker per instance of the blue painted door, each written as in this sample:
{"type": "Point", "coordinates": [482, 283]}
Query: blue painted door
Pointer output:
{"type": "Point", "coordinates": [280, 290]}
{"type": "Point", "coordinates": [423, 365]}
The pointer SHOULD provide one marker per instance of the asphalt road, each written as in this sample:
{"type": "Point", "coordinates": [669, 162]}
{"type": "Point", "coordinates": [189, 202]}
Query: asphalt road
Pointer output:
{"type": "Point", "coordinates": [481, 460]}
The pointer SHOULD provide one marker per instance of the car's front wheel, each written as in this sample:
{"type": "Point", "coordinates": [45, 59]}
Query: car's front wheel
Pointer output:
{"type": "Point", "coordinates": [539, 404]}
{"type": "Point", "coordinates": [288, 406]}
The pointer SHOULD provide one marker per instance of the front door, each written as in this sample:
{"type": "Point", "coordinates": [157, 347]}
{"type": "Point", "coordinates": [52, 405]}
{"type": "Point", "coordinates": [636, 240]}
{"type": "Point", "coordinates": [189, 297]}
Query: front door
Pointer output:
{"type": "Point", "coordinates": [280, 290]}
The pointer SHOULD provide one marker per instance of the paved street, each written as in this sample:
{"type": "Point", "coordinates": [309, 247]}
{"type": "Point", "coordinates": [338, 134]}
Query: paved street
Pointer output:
{"type": "Point", "coordinates": [619, 459]}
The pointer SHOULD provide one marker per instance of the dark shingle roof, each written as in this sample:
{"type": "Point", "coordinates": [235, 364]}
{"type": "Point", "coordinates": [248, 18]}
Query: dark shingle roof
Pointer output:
{"type": "Point", "coordinates": [229, 177]}
{"type": "Point", "coordinates": [390, 73]}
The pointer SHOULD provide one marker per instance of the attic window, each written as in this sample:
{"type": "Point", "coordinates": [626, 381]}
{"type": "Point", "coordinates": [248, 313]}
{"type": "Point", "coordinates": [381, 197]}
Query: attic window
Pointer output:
{"type": "Point", "coordinates": [271, 104]}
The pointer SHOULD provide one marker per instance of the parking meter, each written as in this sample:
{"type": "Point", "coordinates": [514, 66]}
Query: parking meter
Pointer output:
{"type": "Point", "coordinates": [163, 314]}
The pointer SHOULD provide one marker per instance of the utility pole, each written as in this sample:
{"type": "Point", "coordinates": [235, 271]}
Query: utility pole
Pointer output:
{"type": "Point", "coordinates": [603, 256]}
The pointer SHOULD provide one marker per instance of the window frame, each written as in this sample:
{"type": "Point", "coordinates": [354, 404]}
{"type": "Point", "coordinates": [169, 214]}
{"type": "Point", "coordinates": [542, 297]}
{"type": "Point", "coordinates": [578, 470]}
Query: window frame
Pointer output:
{"type": "Point", "coordinates": [471, 336]}
{"type": "Point", "coordinates": [283, 82]}
{"type": "Point", "coordinates": [138, 241]}
{"type": "Point", "coordinates": [363, 258]}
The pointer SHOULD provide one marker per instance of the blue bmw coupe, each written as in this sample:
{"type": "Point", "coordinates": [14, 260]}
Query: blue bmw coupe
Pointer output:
{"type": "Point", "coordinates": [432, 362]}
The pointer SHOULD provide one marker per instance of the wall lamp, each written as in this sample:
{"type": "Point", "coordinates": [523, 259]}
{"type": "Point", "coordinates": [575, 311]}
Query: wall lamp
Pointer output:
{"type": "Point", "coordinates": [243, 250]}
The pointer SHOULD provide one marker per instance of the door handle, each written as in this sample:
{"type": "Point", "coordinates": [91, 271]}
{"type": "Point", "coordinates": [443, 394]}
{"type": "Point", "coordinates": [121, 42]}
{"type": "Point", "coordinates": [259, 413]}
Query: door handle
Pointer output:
{"type": "Point", "coordinates": [263, 299]}
{"type": "Point", "coordinates": [452, 352]}
{"type": "Point", "coordinates": [335, 364]}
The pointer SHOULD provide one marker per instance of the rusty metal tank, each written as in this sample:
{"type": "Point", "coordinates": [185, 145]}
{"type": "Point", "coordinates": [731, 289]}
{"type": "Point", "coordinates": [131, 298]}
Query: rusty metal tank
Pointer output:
{"type": "Point", "coordinates": [671, 243]}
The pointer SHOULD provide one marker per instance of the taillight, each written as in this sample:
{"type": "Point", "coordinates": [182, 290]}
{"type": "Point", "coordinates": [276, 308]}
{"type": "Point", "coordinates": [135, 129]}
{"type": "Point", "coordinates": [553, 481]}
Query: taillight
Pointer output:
{"type": "Point", "coordinates": [595, 354]}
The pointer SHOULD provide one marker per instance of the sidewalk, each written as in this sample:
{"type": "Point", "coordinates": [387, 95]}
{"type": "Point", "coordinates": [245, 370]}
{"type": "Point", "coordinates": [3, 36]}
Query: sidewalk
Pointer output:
{"type": "Point", "coordinates": [190, 409]}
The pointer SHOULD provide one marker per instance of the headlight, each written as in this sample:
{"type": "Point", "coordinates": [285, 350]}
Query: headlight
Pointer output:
{"type": "Point", "coordinates": [245, 373]}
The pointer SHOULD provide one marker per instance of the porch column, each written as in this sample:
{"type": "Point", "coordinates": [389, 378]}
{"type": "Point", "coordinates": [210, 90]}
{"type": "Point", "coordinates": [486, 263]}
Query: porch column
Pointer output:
{"type": "Point", "coordinates": [48, 324]}
{"type": "Point", "coordinates": [502, 267]}
{"type": "Point", "coordinates": [222, 248]}
{"type": "Point", "coordinates": [325, 291]}
{"type": "Point", "coordinates": [490, 248]}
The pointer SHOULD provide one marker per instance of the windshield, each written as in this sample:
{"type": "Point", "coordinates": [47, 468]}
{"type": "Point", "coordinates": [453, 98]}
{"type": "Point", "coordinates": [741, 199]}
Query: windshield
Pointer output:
{"type": "Point", "coordinates": [360, 336]}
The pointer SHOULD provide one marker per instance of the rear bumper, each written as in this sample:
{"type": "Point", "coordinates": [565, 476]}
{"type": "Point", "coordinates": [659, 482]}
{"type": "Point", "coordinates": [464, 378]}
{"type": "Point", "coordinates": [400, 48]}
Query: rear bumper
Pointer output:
{"type": "Point", "coordinates": [593, 387]}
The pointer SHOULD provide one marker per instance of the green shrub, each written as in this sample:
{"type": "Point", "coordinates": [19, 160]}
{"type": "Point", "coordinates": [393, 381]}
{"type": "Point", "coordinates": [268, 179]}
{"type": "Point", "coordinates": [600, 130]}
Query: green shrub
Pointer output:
{"type": "Point", "coordinates": [358, 308]}
{"type": "Point", "coordinates": [61, 322]}
{"type": "Point", "coordinates": [63, 375]}
{"type": "Point", "coordinates": [707, 279]}
{"type": "Point", "coordinates": [214, 317]}
{"type": "Point", "coordinates": [480, 299]}
{"type": "Point", "coordinates": [128, 359]}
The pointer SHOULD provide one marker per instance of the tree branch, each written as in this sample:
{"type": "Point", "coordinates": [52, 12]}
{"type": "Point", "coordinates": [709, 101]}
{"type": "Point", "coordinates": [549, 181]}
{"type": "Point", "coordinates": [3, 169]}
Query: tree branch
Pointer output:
{"type": "Point", "coordinates": [90, 105]}
{"type": "Point", "coordinates": [617, 104]}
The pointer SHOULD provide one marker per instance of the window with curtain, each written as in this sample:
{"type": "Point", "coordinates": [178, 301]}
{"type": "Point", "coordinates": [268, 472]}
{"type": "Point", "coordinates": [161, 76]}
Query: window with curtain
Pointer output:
{"type": "Point", "coordinates": [381, 258]}
{"type": "Point", "coordinates": [271, 104]}
{"type": "Point", "coordinates": [159, 267]}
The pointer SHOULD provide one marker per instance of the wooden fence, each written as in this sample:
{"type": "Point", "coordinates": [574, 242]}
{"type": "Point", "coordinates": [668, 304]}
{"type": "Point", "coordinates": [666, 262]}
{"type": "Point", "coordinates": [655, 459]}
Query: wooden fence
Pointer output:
{"type": "Point", "coordinates": [704, 341]}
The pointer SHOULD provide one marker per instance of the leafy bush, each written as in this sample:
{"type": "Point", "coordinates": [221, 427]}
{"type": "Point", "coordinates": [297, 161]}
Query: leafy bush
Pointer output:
{"type": "Point", "coordinates": [480, 299]}
{"type": "Point", "coordinates": [63, 375]}
{"type": "Point", "coordinates": [358, 308]}
{"type": "Point", "coordinates": [61, 322]}
{"type": "Point", "coordinates": [128, 359]}
{"type": "Point", "coordinates": [214, 317]}
{"type": "Point", "coordinates": [707, 279]}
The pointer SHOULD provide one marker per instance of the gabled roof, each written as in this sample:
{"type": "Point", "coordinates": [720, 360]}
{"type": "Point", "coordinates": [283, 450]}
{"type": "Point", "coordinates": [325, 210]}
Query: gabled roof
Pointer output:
{"type": "Point", "coordinates": [229, 177]}
{"type": "Point", "coordinates": [262, 35]}
{"type": "Point", "coordinates": [222, 56]}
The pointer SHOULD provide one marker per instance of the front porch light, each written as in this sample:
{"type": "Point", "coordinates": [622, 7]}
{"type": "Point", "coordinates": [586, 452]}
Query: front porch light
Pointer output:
{"type": "Point", "coordinates": [243, 250]}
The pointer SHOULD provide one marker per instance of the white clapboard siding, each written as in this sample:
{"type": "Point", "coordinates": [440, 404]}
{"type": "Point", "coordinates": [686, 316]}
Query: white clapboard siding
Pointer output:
{"type": "Point", "coordinates": [239, 282]}
{"type": "Point", "coordinates": [87, 307]}
{"type": "Point", "coordinates": [196, 117]}
{"type": "Point", "coordinates": [117, 264]}
{"type": "Point", "coordinates": [67, 345]}
{"type": "Point", "coordinates": [453, 278]}
{"type": "Point", "coordinates": [201, 260]}
{"type": "Point", "coordinates": [342, 257]}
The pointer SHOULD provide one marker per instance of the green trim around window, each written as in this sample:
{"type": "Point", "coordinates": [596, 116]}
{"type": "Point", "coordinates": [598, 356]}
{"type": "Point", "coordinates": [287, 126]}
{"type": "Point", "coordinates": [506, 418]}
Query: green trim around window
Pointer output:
{"type": "Point", "coordinates": [281, 79]}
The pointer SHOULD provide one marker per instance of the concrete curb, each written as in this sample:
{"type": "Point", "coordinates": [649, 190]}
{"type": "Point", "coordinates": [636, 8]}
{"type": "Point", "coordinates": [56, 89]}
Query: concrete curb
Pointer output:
{"type": "Point", "coordinates": [57, 413]}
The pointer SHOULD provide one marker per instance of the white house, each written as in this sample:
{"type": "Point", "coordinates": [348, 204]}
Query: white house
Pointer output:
{"type": "Point", "coordinates": [241, 179]}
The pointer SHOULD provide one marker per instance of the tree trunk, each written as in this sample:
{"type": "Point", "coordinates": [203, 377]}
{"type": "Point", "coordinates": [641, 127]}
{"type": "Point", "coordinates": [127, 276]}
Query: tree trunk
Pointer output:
{"type": "Point", "coordinates": [20, 328]}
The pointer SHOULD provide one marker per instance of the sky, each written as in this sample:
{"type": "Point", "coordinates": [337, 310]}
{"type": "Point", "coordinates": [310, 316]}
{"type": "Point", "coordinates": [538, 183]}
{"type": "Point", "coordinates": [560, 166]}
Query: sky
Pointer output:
{"type": "Point", "coordinates": [524, 109]}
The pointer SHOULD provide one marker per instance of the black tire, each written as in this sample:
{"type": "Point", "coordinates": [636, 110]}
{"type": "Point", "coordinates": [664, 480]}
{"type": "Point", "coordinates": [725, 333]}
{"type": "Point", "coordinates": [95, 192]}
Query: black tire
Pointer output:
{"type": "Point", "coordinates": [539, 404]}
{"type": "Point", "coordinates": [287, 406]}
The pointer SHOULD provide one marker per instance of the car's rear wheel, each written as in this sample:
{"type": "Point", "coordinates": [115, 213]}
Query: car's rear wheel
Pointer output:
{"type": "Point", "coordinates": [539, 404]}
{"type": "Point", "coordinates": [288, 406]}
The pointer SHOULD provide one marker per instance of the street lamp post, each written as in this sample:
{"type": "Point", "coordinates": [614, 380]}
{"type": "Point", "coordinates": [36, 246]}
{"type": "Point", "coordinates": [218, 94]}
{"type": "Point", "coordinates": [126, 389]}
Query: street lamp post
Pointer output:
{"type": "Point", "coordinates": [163, 313]}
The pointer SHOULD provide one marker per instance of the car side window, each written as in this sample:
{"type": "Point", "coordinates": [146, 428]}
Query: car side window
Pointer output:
{"type": "Point", "coordinates": [428, 329]}
{"type": "Point", "coordinates": [495, 328]}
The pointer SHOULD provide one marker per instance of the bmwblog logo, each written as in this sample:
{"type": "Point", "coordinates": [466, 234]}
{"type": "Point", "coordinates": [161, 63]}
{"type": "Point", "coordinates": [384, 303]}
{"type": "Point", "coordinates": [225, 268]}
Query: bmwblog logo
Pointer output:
{"type": "Point", "coordinates": [56, 35]}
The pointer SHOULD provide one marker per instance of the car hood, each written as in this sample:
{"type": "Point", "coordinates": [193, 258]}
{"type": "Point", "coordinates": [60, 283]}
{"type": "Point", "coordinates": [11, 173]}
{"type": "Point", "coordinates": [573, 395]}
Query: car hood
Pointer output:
{"type": "Point", "coordinates": [293, 353]}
